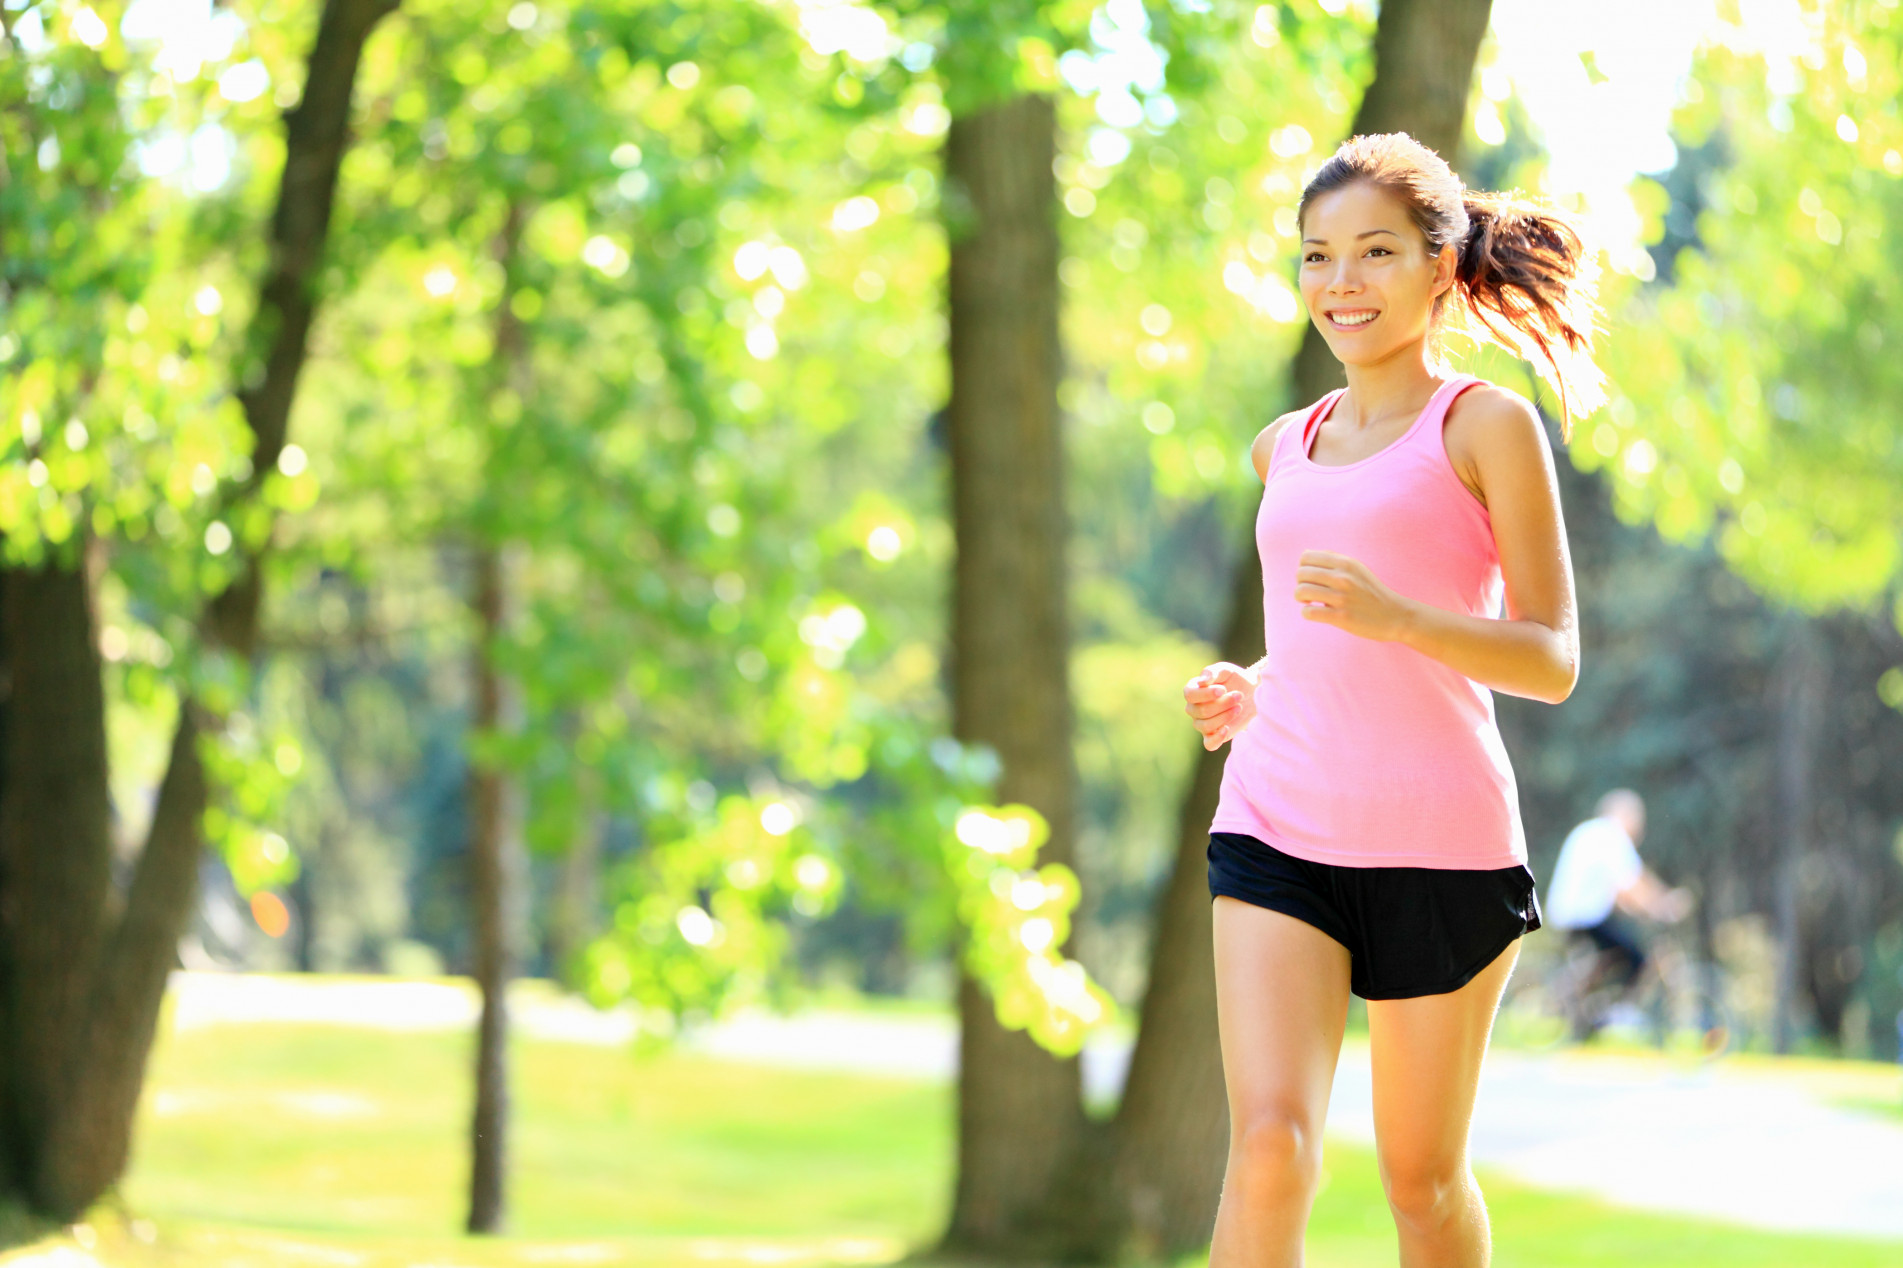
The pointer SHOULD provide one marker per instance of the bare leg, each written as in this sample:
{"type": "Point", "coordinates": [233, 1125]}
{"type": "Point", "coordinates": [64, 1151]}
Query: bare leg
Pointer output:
{"type": "Point", "coordinates": [1426, 1054]}
{"type": "Point", "coordinates": [1282, 1003]}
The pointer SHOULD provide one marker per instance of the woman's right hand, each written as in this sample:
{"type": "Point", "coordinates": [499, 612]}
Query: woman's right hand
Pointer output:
{"type": "Point", "coordinates": [1221, 701]}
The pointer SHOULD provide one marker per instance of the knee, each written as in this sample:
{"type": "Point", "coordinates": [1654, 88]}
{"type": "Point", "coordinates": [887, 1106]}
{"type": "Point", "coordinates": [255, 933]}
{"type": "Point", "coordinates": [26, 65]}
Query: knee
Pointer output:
{"type": "Point", "coordinates": [1275, 1154]}
{"type": "Point", "coordinates": [1425, 1194]}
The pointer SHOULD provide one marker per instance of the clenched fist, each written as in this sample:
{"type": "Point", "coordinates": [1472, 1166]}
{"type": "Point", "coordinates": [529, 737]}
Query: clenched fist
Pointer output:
{"type": "Point", "coordinates": [1221, 701]}
{"type": "Point", "coordinates": [1341, 591]}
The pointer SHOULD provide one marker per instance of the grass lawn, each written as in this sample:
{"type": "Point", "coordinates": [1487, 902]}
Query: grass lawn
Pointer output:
{"type": "Point", "coordinates": [1867, 1087]}
{"type": "Point", "coordinates": [268, 1145]}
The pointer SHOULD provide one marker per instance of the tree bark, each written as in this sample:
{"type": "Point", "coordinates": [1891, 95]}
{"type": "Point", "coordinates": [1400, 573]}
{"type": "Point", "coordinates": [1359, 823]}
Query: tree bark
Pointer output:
{"type": "Point", "coordinates": [93, 1005]}
{"type": "Point", "coordinates": [316, 134]}
{"type": "Point", "coordinates": [1803, 679]}
{"type": "Point", "coordinates": [1424, 54]}
{"type": "Point", "coordinates": [1018, 1106]}
{"type": "Point", "coordinates": [1169, 1136]}
{"type": "Point", "coordinates": [494, 871]}
{"type": "Point", "coordinates": [89, 1147]}
{"type": "Point", "coordinates": [490, 890]}
{"type": "Point", "coordinates": [55, 843]}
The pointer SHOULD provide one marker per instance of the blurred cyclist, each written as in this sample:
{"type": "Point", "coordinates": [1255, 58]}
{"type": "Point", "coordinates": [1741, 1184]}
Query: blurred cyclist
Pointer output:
{"type": "Point", "coordinates": [1599, 877]}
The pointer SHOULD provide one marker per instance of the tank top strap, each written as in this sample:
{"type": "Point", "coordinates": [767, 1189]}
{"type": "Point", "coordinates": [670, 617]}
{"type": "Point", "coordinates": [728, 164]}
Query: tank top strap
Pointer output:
{"type": "Point", "coordinates": [1434, 417]}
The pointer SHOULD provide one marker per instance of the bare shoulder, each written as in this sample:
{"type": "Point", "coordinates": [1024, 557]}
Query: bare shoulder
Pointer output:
{"type": "Point", "coordinates": [1493, 434]}
{"type": "Point", "coordinates": [1264, 446]}
{"type": "Point", "coordinates": [1492, 412]}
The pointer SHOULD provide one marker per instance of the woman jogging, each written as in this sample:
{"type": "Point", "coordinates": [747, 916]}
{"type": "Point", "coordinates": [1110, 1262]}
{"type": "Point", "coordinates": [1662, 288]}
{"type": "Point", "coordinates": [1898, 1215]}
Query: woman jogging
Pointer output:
{"type": "Point", "coordinates": [1368, 836]}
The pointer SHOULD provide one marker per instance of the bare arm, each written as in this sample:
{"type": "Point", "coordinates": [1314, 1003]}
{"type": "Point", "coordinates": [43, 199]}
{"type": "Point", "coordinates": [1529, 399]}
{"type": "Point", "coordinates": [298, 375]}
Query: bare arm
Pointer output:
{"type": "Point", "coordinates": [1534, 652]}
{"type": "Point", "coordinates": [1649, 896]}
{"type": "Point", "coordinates": [1498, 444]}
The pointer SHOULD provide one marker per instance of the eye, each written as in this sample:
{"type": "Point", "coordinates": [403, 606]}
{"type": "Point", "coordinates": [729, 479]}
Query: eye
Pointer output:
{"type": "Point", "coordinates": [1382, 250]}
{"type": "Point", "coordinates": [1313, 256]}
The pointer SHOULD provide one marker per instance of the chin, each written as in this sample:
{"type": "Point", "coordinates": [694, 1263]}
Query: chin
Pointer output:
{"type": "Point", "coordinates": [1351, 350]}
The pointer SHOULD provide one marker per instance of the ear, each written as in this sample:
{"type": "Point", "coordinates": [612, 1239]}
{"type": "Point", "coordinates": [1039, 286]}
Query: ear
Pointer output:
{"type": "Point", "coordinates": [1446, 263]}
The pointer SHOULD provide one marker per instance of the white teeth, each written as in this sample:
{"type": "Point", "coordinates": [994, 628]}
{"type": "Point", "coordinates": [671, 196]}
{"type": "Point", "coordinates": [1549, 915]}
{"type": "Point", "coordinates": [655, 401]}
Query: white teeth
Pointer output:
{"type": "Point", "coordinates": [1359, 319]}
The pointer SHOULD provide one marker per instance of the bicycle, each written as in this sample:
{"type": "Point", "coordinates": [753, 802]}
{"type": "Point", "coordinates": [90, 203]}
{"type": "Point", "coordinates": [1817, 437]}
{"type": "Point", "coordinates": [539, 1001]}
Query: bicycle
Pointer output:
{"type": "Point", "coordinates": [1681, 997]}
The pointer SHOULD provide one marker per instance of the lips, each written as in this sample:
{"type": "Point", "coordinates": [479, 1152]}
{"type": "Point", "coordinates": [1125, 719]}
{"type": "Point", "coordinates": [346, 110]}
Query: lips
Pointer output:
{"type": "Point", "coordinates": [1352, 318]}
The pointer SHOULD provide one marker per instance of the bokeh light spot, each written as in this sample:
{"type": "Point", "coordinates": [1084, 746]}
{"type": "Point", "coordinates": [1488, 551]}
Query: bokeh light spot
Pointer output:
{"type": "Point", "coordinates": [271, 914]}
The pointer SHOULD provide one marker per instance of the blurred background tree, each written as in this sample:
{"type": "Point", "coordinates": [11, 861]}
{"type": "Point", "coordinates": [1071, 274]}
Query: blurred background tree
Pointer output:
{"type": "Point", "coordinates": [87, 956]}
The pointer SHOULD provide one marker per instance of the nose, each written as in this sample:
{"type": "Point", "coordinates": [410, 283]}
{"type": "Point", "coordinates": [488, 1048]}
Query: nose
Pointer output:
{"type": "Point", "coordinates": [1344, 278]}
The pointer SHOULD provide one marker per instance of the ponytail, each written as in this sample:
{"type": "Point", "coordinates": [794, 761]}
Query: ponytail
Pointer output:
{"type": "Point", "coordinates": [1524, 279]}
{"type": "Point", "coordinates": [1526, 283]}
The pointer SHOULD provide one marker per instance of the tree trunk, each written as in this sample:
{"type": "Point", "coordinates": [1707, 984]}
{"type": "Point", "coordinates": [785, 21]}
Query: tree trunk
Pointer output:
{"type": "Point", "coordinates": [84, 981]}
{"type": "Point", "coordinates": [89, 1153]}
{"type": "Point", "coordinates": [1803, 678]}
{"type": "Point", "coordinates": [316, 133]}
{"type": "Point", "coordinates": [495, 874]}
{"type": "Point", "coordinates": [1170, 1133]}
{"type": "Point", "coordinates": [1424, 53]}
{"type": "Point", "coordinates": [1018, 1106]}
{"type": "Point", "coordinates": [55, 846]}
{"type": "Point", "coordinates": [491, 886]}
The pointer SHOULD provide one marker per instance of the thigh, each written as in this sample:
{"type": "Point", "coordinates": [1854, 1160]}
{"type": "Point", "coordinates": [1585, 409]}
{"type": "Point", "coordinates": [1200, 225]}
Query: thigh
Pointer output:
{"type": "Point", "coordinates": [1426, 1055]}
{"type": "Point", "coordinates": [1281, 1005]}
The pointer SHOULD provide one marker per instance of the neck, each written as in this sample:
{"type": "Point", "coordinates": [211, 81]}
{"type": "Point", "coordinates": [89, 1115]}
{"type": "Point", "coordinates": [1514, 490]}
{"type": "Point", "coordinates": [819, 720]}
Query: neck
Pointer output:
{"type": "Point", "coordinates": [1396, 384]}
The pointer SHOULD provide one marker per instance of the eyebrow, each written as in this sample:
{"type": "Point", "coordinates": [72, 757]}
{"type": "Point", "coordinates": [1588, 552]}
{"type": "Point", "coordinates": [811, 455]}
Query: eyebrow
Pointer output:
{"type": "Point", "coordinates": [1358, 237]}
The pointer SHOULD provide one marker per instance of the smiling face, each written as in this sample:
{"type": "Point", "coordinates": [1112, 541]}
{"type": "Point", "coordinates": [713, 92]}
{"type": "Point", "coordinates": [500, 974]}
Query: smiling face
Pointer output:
{"type": "Point", "coordinates": [1368, 277]}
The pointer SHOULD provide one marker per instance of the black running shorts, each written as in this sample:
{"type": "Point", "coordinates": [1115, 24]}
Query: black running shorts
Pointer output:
{"type": "Point", "coordinates": [1409, 930]}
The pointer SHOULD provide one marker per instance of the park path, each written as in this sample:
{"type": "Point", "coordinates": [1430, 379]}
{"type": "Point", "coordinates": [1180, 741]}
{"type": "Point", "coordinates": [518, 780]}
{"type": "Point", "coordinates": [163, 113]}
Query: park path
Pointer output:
{"type": "Point", "coordinates": [1746, 1141]}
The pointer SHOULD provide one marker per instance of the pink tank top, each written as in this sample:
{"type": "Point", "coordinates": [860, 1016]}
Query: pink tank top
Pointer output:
{"type": "Point", "coordinates": [1367, 753]}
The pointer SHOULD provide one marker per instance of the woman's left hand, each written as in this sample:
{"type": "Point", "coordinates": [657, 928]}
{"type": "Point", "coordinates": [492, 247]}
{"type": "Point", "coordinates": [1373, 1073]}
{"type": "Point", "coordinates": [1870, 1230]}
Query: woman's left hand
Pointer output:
{"type": "Point", "coordinates": [1341, 591]}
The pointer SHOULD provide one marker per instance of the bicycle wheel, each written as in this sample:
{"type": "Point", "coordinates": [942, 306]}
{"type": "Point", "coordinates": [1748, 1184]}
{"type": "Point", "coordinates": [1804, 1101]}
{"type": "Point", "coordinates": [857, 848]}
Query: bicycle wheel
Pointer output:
{"type": "Point", "coordinates": [1550, 1008]}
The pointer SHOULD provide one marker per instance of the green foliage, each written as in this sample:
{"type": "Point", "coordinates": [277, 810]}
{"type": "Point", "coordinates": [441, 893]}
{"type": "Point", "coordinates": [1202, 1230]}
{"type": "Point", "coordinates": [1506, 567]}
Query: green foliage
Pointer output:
{"type": "Point", "coordinates": [117, 424]}
{"type": "Point", "coordinates": [1015, 917]}
{"type": "Point", "coordinates": [1757, 390]}
{"type": "Point", "coordinates": [702, 917]}
{"type": "Point", "coordinates": [983, 53]}
{"type": "Point", "coordinates": [1179, 240]}
{"type": "Point", "coordinates": [708, 912]}
{"type": "Point", "coordinates": [251, 774]}
{"type": "Point", "coordinates": [704, 581]}
{"type": "Point", "coordinates": [113, 416]}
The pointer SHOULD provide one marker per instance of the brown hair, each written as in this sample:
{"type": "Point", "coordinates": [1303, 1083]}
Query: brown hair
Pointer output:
{"type": "Point", "coordinates": [1524, 279]}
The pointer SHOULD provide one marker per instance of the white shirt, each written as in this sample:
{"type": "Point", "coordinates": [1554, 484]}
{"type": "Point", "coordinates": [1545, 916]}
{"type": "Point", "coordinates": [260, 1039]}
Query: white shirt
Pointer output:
{"type": "Point", "coordinates": [1597, 860]}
